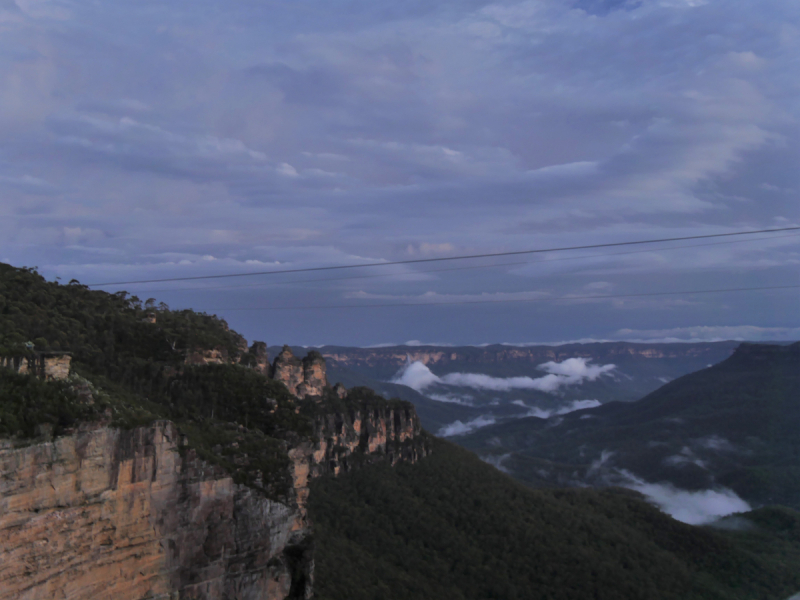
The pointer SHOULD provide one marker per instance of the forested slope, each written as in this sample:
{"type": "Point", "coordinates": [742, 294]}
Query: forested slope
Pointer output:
{"type": "Point", "coordinates": [452, 527]}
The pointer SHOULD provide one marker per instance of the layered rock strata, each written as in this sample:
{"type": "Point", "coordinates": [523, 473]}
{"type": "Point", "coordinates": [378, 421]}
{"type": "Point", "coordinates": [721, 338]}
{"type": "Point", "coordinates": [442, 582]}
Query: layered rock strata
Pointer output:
{"type": "Point", "coordinates": [306, 377]}
{"type": "Point", "coordinates": [118, 514]}
{"type": "Point", "coordinates": [107, 513]}
{"type": "Point", "coordinates": [47, 365]}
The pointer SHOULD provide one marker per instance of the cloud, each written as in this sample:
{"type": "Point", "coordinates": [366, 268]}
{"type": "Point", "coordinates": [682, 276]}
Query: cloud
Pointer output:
{"type": "Point", "coordinates": [452, 399]}
{"type": "Point", "coordinates": [716, 443]}
{"type": "Point", "coordinates": [316, 132]}
{"type": "Point", "coordinates": [458, 428]}
{"type": "Point", "coordinates": [684, 457]}
{"type": "Point", "coordinates": [416, 376]}
{"type": "Point", "coordinates": [710, 333]}
{"type": "Point", "coordinates": [562, 410]}
{"type": "Point", "coordinates": [572, 371]}
{"type": "Point", "coordinates": [695, 508]}
{"type": "Point", "coordinates": [497, 461]}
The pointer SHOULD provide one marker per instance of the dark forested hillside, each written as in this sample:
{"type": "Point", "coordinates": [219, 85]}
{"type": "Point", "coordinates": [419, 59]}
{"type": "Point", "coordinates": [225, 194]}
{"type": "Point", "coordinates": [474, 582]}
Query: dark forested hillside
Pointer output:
{"type": "Point", "coordinates": [452, 527]}
{"type": "Point", "coordinates": [734, 424]}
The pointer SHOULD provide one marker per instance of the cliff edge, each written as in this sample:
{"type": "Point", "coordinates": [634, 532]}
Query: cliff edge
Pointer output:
{"type": "Point", "coordinates": [132, 514]}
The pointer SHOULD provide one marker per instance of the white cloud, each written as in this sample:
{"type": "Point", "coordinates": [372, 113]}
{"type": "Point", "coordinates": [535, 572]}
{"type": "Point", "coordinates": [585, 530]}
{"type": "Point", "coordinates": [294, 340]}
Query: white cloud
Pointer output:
{"type": "Point", "coordinates": [572, 371]}
{"type": "Point", "coordinates": [684, 457]}
{"type": "Point", "coordinates": [497, 461]}
{"type": "Point", "coordinates": [710, 333]}
{"type": "Point", "coordinates": [459, 428]}
{"type": "Point", "coordinates": [416, 376]}
{"type": "Point", "coordinates": [451, 399]}
{"type": "Point", "coordinates": [695, 508]}
{"type": "Point", "coordinates": [716, 443]}
{"type": "Point", "coordinates": [561, 410]}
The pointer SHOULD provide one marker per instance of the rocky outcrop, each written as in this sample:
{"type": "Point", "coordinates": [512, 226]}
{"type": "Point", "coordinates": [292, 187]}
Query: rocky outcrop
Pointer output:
{"type": "Point", "coordinates": [127, 515]}
{"type": "Point", "coordinates": [209, 356]}
{"type": "Point", "coordinates": [109, 513]}
{"type": "Point", "coordinates": [47, 365]}
{"type": "Point", "coordinates": [314, 375]}
{"type": "Point", "coordinates": [260, 357]}
{"type": "Point", "coordinates": [288, 369]}
{"type": "Point", "coordinates": [367, 432]}
{"type": "Point", "coordinates": [306, 377]}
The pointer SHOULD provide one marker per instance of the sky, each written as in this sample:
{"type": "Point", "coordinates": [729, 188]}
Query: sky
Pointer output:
{"type": "Point", "coordinates": [145, 140]}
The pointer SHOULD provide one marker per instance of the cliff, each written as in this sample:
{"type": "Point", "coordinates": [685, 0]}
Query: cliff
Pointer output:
{"type": "Point", "coordinates": [306, 377]}
{"type": "Point", "coordinates": [135, 514]}
{"type": "Point", "coordinates": [180, 464]}
{"type": "Point", "coordinates": [396, 356]}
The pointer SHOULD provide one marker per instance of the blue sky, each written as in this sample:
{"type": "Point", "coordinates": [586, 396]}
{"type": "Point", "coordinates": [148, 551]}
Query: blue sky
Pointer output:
{"type": "Point", "coordinates": [150, 139]}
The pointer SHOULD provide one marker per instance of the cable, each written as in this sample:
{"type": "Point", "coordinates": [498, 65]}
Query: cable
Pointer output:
{"type": "Point", "coordinates": [495, 265]}
{"type": "Point", "coordinates": [449, 258]}
{"type": "Point", "coordinates": [360, 306]}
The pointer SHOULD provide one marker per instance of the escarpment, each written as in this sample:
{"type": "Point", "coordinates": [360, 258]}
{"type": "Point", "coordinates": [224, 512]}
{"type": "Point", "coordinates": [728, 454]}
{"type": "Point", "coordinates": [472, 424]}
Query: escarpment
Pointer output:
{"type": "Point", "coordinates": [130, 514]}
{"type": "Point", "coordinates": [106, 513]}
{"type": "Point", "coordinates": [149, 453]}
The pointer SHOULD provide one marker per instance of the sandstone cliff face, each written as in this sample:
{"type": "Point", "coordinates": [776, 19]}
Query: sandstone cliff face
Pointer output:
{"type": "Point", "coordinates": [119, 514]}
{"type": "Point", "coordinates": [288, 369]}
{"type": "Point", "coordinates": [347, 439]}
{"type": "Point", "coordinates": [47, 365]}
{"type": "Point", "coordinates": [210, 356]}
{"type": "Point", "coordinates": [261, 359]}
{"type": "Point", "coordinates": [306, 377]}
{"type": "Point", "coordinates": [398, 356]}
{"type": "Point", "coordinates": [106, 513]}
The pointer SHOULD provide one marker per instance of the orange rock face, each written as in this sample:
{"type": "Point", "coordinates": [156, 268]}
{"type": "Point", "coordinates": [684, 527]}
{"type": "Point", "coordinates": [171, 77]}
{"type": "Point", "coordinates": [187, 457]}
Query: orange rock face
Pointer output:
{"type": "Point", "coordinates": [128, 515]}
{"type": "Point", "coordinates": [122, 514]}
{"type": "Point", "coordinates": [304, 377]}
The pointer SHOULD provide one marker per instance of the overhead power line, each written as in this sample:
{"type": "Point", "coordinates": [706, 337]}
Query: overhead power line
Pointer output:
{"type": "Point", "coordinates": [506, 300]}
{"type": "Point", "coordinates": [467, 268]}
{"type": "Point", "coordinates": [447, 258]}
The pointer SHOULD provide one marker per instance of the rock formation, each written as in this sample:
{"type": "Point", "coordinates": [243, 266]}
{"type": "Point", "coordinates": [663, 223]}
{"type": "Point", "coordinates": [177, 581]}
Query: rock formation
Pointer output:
{"type": "Point", "coordinates": [260, 357]}
{"type": "Point", "coordinates": [303, 378]}
{"type": "Point", "coordinates": [47, 365]}
{"type": "Point", "coordinates": [209, 356]}
{"type": "Point", "coordinates": [340, 390]}
{"type": "Point", "coordinates": [135, 514]}
{"type": "Point", "coordinates": [126, 515]}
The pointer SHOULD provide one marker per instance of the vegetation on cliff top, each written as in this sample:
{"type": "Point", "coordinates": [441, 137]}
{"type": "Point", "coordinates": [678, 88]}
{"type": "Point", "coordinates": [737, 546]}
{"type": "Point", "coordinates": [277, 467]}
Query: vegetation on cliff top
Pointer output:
{"type": "Point", "coordinates": [452, 527]}
{"type": "Point", "coordinates": [130, 371]}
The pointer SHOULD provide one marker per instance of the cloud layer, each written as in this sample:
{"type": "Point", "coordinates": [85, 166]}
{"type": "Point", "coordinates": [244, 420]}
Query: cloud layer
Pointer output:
{"type": "Point", "coordinates": [141, 139]}
{"type": "Point", "coordinates": [571, 371]}
{"type": "Point", "coordinates": [695, 508]}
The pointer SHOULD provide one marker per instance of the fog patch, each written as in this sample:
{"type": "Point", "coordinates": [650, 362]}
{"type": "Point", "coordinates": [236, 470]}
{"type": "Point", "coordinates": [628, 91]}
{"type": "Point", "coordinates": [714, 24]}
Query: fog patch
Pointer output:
{"type": "Point", "coordinates": [462, 400]}
{"type": "Point", "coordinates": [694, 508]}
{"type": "Point", "coordinates": [534, 411]}
{"type": "Point", "coordinates": [716, 443]}
{"type": "Point", "coordinates": [459, 428]}
{"type": "Point", "coordinates": [599, 463]}
{"type": "Point", "coordinates": [684, 457]}
{"type": "Point", "coordinates": [497, 461]}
